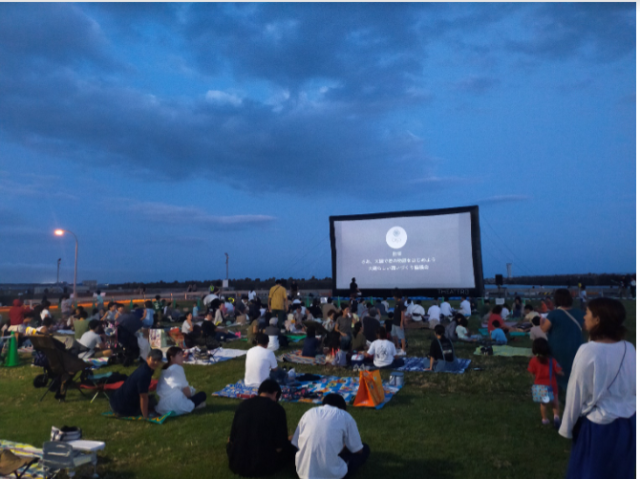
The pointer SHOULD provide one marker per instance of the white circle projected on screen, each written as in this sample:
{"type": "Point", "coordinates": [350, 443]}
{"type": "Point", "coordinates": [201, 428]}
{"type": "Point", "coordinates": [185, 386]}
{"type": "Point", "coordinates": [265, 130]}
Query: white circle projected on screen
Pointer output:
{"type": "Point", "coordinates": [396, 237]}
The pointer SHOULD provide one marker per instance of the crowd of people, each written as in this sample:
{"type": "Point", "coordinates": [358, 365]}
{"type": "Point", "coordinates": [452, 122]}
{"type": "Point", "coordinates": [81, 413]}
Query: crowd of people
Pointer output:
{"type": "Point", "coordinates": [588, 387]}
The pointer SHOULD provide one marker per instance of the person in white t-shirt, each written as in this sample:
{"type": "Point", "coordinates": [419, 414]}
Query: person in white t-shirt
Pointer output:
{"type": "Point", "coordinates": [434, 315]}
{"type": "Point", "coordinates": [505, 311]}
{"type": "Point", "coordinates": [92, 341]}
{"type": "Point", "coordinates": [384, 352]}
{"type": "Point", "coordinates": [465, 307]}
{"type": "Point", "coordinates": [445, 308]}
{"type": "Point", "coordinates": [174, 390]}
{"type": "Point", "coordinates": [261, 363]}
{"type": "Point", "coordinates": [328, 441]}
{"type": "Point", "coordinates": [252, 295]}
{"type": "Point", "coordinates": [417, 311]}
{"type": "Point", "coordinates": [600, 406]}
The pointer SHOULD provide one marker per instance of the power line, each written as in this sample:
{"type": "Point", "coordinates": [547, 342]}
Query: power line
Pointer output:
{"type": "Point", "coordinates": [521, 263]}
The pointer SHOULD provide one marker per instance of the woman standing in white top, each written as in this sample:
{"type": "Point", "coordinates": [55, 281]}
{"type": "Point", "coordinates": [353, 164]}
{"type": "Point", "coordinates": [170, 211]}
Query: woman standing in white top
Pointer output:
{"type": "Point", "coordinates": [600, 410]}
{"type": "Point", "coordinates": [173, 388]}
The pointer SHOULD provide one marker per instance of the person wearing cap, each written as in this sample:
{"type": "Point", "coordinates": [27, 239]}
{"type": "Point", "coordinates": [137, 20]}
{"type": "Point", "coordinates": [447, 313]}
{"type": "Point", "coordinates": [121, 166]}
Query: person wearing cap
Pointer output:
{"type": "Point", "coordinates": [328, 441]}
{"type": "Point", "coordinates": [258, 444]}
{"type": "Point", "coordinates": [261, 363]}
{"type": "Point", "coordinates": [132, 398]}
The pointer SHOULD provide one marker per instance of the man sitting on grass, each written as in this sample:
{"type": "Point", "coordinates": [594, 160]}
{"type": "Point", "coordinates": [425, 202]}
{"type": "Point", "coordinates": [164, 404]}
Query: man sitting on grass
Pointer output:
{"type": "Point", "coordinates": [259, 444]}
{"type": "Point", "coordinates": [261, 363]}
{"type": "Point", "coordinates": [441, 354]}
{"type": "Point", "coordinates": [328, 441]}
{"type": "Point", "coordinates": [132, 398]}
{"type": "Point", "coordinates": [383, 352]}
{"type": "Point", "coordinates": [90, 341]}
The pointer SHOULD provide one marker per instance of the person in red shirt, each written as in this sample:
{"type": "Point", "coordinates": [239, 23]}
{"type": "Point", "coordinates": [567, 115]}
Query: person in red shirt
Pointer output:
{"type": "Point", "coordinates": [539, 367]}
{"type": "Point", "coordinates": [16, 313]}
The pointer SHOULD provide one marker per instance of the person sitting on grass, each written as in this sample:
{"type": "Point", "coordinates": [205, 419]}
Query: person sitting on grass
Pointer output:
{"type": "Point", "coordinates": [311, 344]}
{"type": "Point", "coordinates": [210, 330]}
{"type": "Point", "coordinates": [173, 388]}
{"type": "Point", "coordinates": [261, 363]}
{"type": "Point", "coordinates": [536, 331]}
{"type": "Point", "coordinates": [344, 325]}
{"type": "Point", "coordinates": [190, 331]}
{"type": "Point", "coordinates": [441, 354]}
{"type": "Point", "coordinates": [433, 315]}
{"type": "Point", "coordinates": [341, 356]}
{"type": "Point", "coordinates": [461, 329]}
{"type": "Point", "coordinates": [496, 316]}
{"type": "Point", "coordinates": [328, 441]}
{"type": "Point", "coordinates": [497, 334]}
{"type": "Point", "coordinates": [132, 398]}
{"type": "Point", "coordinates": [359, 340]}
{"type": "Point", "coordinates": [91, 344]}
{"type": "Point", "coordinates": [539, 367]}
{"type": "Point", "coordinates": [81, 324]}
{"type": "Point", "coordinates": [383, 351]}
{"type": "Point", "coordinates": [258, 444]}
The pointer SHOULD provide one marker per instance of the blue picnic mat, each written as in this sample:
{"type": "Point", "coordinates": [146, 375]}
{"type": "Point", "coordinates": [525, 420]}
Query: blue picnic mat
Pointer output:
{"type": "Point", "coordinates": [417, 365]}
{"type": "Point", "coordinates": [309, 391]}
{"type": "Point", "coordinates": [485, 332]}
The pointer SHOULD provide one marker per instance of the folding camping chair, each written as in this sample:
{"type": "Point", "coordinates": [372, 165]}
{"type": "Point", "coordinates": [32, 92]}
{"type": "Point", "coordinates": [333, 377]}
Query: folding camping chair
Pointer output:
{"type": "Point", "coordinates": [11, 463]}
{"type": "Point", "coordinates": [63, 366]}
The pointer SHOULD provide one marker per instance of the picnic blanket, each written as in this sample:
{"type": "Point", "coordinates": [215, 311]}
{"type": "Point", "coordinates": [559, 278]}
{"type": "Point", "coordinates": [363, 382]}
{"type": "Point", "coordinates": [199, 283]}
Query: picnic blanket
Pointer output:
{"type": "Point", "coordinates": [485, 332]}
{"type": "Point", "coordinates": [215, 356]}
{"type": "Point", "coordinates": [508, 351]}
{"type": "Point", "coordinates": [309, 391]}
{"type": "Point", "coordinates": [295, 338]}
{"type": "Point", "coordinates": [296, 357]}
{"type": "Point", "coordinates": [97, 363]}
{"type": "Point", "coordinates": [418, 365]}
{"type": "Point", "coordinates": [36, 471]}
{"type": "Point", "coordinates": [154, 420]}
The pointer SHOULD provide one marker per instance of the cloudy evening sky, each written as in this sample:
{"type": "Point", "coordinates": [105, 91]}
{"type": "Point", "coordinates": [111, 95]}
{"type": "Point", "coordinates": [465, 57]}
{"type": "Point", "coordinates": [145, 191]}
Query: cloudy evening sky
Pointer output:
{"type": "Point", "coordinates": [165, 135]}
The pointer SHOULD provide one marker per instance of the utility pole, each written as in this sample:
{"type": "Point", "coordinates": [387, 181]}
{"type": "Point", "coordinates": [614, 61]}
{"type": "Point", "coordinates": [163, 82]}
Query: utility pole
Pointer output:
{"type": "Point", "coordinates": [58, 274]}
{"type": "Point", "coordinates": [227, 263]}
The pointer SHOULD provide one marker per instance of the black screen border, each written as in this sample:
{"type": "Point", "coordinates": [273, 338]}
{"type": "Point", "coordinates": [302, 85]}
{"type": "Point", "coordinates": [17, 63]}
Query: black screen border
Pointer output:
{"type": "Point", "coordinates": [476, 252]}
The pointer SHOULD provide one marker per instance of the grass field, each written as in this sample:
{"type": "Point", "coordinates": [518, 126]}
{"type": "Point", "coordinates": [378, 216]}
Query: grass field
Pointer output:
{"type": "Point", "coordinates": [481, 424]}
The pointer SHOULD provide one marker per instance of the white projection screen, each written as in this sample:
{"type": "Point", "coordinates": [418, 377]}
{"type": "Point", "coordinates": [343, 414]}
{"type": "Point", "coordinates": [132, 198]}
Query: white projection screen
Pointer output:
{"type": "Point", "coordinates": [422, 253]}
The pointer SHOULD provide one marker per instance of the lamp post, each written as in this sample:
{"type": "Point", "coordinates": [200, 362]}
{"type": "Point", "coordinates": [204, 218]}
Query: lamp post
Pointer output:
{"type": "Point", "coordinates": [58, 273]}
{"type": "Point", "coordinates": [60, 232]}
{"type": "Point", "coordinates": [227, 263]}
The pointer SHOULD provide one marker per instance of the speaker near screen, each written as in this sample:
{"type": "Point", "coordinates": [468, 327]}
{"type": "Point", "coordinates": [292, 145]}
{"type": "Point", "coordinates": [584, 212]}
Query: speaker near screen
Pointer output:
{"type": "Point", "coordinates": [499, 280]}
{"type": "Point", "coordinates": [422, 253]}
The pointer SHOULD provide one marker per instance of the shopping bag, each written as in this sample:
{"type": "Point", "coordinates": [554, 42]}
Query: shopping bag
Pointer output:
{"type": "Point", "coordinates": [370, 392]}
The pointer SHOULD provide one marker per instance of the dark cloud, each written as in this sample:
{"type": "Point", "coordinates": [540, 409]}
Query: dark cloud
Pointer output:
{"type": "Point", "coordinates": [340, 73]}
{"type": "Point", "coordinates": [595, 31]}
{"type": "Point", "coordinates": [180, 215]}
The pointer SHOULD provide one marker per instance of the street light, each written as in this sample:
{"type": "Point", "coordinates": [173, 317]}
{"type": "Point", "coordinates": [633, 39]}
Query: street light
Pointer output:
{"type": "Point", "coordinates": [60, 232]}
{"type": "Point", "coordinates": [58, 273]}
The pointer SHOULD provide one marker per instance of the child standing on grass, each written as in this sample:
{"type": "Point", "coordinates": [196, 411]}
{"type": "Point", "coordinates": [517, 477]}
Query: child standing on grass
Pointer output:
{"type": "Point", "coordinates": [539, 367]}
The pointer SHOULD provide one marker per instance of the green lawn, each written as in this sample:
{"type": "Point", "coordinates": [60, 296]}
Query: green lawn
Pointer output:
{"type": "Point", "coordinates": [481, 424]}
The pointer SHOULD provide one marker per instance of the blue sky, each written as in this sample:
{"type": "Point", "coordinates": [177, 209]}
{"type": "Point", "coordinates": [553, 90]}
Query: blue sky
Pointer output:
{"type": "Point", "coordinates": [165, 135]}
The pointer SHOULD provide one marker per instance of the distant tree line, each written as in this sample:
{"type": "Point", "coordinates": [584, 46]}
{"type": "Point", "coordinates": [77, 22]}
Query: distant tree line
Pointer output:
{"type": "Point", "coordinates": [238, 284]}
{"type": "Point", "coordinates": [589, 279]}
